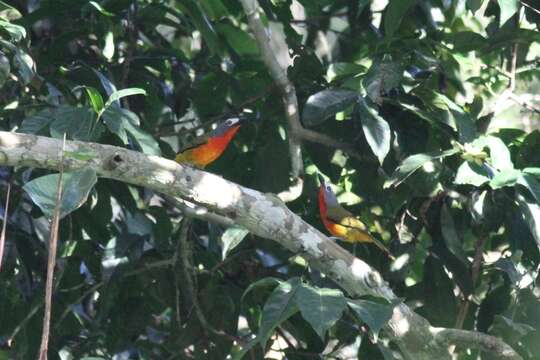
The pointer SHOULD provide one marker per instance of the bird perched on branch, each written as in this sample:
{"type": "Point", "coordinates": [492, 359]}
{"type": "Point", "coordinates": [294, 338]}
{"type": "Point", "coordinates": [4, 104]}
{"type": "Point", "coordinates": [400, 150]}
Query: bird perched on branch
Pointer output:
{"type": "Point", "coordinates": [210, 146]}
{"type": "Point", "coordinates": [340, 222]}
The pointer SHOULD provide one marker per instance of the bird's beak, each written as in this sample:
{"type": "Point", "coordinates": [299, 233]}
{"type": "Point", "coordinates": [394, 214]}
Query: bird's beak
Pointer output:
{"type": "Point", "coordinates": [236, 121]}
{"type": "Point", "coordinates": [321, 179]}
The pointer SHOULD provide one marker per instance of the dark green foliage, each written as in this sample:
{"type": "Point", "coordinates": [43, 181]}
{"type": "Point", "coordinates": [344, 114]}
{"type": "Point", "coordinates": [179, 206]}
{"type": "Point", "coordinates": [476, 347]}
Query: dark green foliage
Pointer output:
{"type": "Point", "coordinates": [417, 88]}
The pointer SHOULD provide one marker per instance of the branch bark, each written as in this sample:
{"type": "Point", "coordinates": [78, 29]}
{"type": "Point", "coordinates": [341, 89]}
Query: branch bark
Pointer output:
{"type": "Point", "coordinates": [262, 214]}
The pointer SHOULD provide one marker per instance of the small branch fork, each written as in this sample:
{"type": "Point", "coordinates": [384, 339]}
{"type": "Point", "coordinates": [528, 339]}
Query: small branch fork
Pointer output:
{"type": "Point", "coordinates": [275, 54]}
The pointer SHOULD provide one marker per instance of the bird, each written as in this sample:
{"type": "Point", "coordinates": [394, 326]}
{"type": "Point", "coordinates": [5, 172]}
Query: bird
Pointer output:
{"type": "Point", "coordinates": [209, 147]}
{"type": "Point", "coordinates": [340, 222]}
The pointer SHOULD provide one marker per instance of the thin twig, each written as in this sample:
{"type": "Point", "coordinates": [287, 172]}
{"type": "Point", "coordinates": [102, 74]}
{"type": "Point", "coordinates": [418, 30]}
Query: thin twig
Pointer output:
{"type": "Point", "coordinates": [323, 139]}
{"type": "Point", "coordinates": [475, 271]}
{"type": "Point", "coordinates": [530, 7]}
{"type": "Point", "coordinates": [513, 65]}
{"type": "Point", "coordinates": [51, 262]}
{"type": "Point", "coordinates": [199, 212]}
{"type": "Point", "coordinates": [186, 264]}
{"type": "Point", "coordinates": [4, 225]}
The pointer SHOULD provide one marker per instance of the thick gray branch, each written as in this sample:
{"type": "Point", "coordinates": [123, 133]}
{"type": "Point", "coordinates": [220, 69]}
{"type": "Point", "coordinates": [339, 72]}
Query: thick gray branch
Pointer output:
{"type": "Point", "coordinates": [262, 214]}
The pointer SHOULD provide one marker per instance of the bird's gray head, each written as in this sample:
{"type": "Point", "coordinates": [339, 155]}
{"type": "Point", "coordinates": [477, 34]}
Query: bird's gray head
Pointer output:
{"type": "Point", "coordinates": [222, 128]}
{"type": "Point", "coordinates": [329, 196]}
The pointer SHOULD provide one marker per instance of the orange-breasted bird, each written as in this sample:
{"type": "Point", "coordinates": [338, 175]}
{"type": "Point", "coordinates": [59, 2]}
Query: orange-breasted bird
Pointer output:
{"type": "Point", "coordinates": [340, 222]}
{"type": "Point", "coordinates": [210, 146]}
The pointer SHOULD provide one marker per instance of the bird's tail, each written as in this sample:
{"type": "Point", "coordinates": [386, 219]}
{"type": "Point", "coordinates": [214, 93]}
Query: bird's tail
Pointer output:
{"type": "Point", "coordinates": [382, 247]}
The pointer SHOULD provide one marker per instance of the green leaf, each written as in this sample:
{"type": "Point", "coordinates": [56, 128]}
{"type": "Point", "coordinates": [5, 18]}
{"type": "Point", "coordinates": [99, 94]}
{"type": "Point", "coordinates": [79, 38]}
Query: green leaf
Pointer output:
{"type": "Point", "coordinates": [231, 238]}
{"type": "Point", "coordinates": [450, 235]}
{"type": "Point", "coordinates": [238, 39]}
{"type": "Point", "coordinates": [202, 23]}
{"type": "Point", "coordinates": [394, 13]}
{"type": "Point", "coordinates": [374, 314]}
{"type": "Point", "coordinates": [413, 163]}
{"type": "Point", "coordinates": [123, 122]}
{"type": "Point", "coordinates": [382, 77]}
{"type": "Point", "coordinates": [531, 184]}
{"type": "Point", "coordinates": [534, 171]}
{"type": "Point", "coordinates": [100, 8]}
{"type": "Point", "coordinates": [267, 281]}
{"type": "Point", "coordinates": [341, 70]}
{"type": "Point", "coordinates": [505, 178]}
{"type": "Point", "coordinates": [320, 307]}
{"type": "Point", "coordinates": [76, 186]}
{"type": "Point", "coordinates": [498, 152]}
{"type": "Point", "coordinates": [5, 69]}
{"type": "Point", "coordinates": [75, 122]}
{"type": "Point", "coordinates": [376, 130]}
{"type": "Point", "coordinates": [474, 5]}
{"type": "Point", "coordinates": [8, 12]}
{"type": "Point", "coordinates": [279, 307]}
{"type": "Point", "coordinates": [508, 9]}
{"type": "Point", "coordinates": [117, 95]}
{"type": "Point", "coordinates": [466, 41]}
{"type": "Point", "coordinates": [470, 173]}
{"type": "Point", "coordinates": [16, 32]}
{"type": "Point", "coordinates": [531, 215]}
{"type": "Point", "coordinates": [325, 104]}
{"type": "Point", "coordinates": [95, 99]}
{"type": "Point", "coordinates": [25, 66]}
{"type": "Point", "coordinates": [37, 122]}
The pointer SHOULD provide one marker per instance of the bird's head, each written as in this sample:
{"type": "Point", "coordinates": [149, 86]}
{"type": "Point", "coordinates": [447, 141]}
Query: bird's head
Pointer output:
{"type": "Point", "coordinates": [327, 194]}
{"type": "Point", "coordinates": [225, 125]}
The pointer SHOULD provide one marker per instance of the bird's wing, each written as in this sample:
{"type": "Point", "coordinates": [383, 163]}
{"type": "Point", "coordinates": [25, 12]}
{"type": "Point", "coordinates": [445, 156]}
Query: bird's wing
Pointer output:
{"type": "Point", "coordinates": [198, 141]}
{"type": "Point", "coordinates": [343, 217]}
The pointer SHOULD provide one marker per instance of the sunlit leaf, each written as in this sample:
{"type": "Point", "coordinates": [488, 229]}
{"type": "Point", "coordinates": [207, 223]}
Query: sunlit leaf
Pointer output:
{"type": "Point", "coordinates": [16, 32]}
{"type": "Point", "coordinates": [123, 122]}
{"type": "Point", "coordinates": [531, 184]}
{"type": "Point", "coordinates": [325, 104]}
{"type": "Point", "coordinates": [95, 99]}
{"type": "Point", "coordinates": [505, 178]}
{"type": "Point", "coordinates": [76, 186]}
{"type": "Point", "coordinates": [376, 130]}
{"type": "Point", "coordinates": [231, 238]}
{"type": "Point", "coordinates": [413, 163]}
{"type": "Point", "coordinates": [470, 173]}
{"type": "Point", "coordinates": [508, 9]}
{"type": "Point", "coordinates": [117, 95]}
{"type": "Point", "coordinates": [531, 215]}
{"type": "Point", "coordinates": [108, 49]}
{"type": "Point", "coordinates": [8, 12]}
{"type": "Point", "coordinates": [25, 65]}
{"type": "Point", "coordinates": [100, 8]}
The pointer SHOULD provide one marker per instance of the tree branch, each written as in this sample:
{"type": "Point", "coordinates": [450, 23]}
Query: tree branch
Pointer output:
{"type": "Point", "coordinates": [262, 214]}
{"type": "Point", "coordinates": [472, 339]}
{"type": "Point", "coordinates": [275, 54]}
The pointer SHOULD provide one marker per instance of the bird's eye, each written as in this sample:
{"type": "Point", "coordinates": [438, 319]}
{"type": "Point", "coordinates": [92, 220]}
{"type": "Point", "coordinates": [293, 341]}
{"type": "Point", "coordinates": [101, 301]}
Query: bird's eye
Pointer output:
{"type": "Point", "coordinates": [228, 122]}
{"type": "Point", "coordinates": [328, 188]}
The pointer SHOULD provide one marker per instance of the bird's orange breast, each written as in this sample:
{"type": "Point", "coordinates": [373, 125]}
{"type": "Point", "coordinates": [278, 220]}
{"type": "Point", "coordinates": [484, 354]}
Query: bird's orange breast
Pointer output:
{"type": "Point", "coordinates": [208, 152]}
